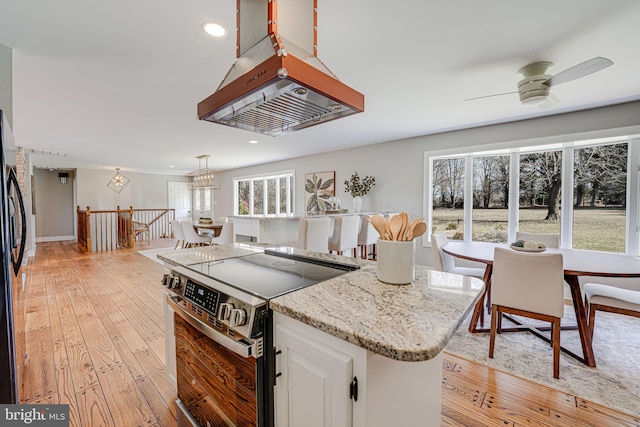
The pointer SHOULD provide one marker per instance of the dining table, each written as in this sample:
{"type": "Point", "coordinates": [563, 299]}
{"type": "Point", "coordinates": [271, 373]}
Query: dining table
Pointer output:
{"type": "Point", "coordinates": [576, 263]}
{"type": "Point", "coordinates": [216, 227]}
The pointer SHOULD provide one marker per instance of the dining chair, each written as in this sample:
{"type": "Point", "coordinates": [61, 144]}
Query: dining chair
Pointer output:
{"type": "Point", "coordinates": [551, 240]}
{"type": "Point", "coordinates": [192, 238]}
{"type": "Point", "coordinates": [178, 234]}
{"type": "Point", "coordinates": [314, 233]}
{"type": "Point", "coordinates": [345, 234]}
{"type": "Point", "coordinates": [610, 298]}
{"type": "Point", "coordinates": [141, 228]}
{"type": "Point", "coordinates": [444, 262]}
{"type": "Point", "coordinates": [368, 236]}
{"type": "Point", "coordinates": [529, 285]}
{"type": "Point", "coordinates": [226, 235]}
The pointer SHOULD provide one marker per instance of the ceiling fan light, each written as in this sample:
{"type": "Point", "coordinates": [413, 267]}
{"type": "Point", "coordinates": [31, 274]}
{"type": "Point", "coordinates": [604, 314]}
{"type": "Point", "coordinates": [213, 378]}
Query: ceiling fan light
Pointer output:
{"type": "Point", "coordinates": [533, 99]}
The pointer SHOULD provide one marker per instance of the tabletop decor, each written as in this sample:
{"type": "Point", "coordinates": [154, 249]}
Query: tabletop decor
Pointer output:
{"type": "Point", "coordinates": [319, 188]}
{"type": "Point", "coordinates": [358, 187]}
{"type": "Point", "coordinates": [397, 247]}
{"type": "Point", "coordinates": [528, 246]}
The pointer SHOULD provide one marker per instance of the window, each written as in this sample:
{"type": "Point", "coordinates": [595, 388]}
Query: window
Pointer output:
{"type": "Point", "coordinates": [490, 198]}
{"type": "Point", "coordinates": [264, 195]}
{"type": "Point", "coordinates": [581, 190]}
{"type": "Point", "coordinates": [448, 197]}
{"type": "Point", "coordinates": [540, 185]}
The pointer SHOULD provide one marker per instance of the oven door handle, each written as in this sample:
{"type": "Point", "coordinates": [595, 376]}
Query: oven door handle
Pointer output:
{"type": "Point", "coordinates": [241, 348]}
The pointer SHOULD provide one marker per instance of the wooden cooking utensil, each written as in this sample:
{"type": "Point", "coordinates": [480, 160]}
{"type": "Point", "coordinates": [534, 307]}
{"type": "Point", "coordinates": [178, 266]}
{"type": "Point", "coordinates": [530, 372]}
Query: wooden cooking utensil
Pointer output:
{"type": "Point", "coordinates": [380, 224]}
{"type": "Point", "coordinates": [419, 229]}
{"type": "Point", "coordinates": [395, 224]}
{"type": "Point", "coordinates": [406, 222]}
{"type": "Point", "coordinates": [412, 226]}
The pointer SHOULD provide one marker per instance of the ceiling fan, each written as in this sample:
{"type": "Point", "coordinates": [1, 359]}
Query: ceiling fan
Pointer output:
{"type": "Point", "coordinates": [535, 86]}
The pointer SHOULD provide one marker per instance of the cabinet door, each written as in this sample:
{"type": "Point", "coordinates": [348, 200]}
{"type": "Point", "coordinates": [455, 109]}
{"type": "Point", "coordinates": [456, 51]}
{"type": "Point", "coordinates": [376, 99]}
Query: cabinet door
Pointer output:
{"type": "Point", "coordinates": [313, 388]}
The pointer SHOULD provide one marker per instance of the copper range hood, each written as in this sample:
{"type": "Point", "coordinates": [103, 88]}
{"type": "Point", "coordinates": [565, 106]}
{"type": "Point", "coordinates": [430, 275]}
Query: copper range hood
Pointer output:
{"type": "Point", "coordinates": [275, 86]}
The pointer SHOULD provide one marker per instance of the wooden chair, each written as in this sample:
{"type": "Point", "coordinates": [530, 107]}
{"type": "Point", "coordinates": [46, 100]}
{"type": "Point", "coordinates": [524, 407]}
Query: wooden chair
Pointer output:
{"type": "Point", "coordinates": [551, 240]}
{"type": "Point", "coordinates": [610, 298]}
{"type": "Point", "coordinates": [141, 228]}
{"type": "Point", "coordinates": [529, 285]}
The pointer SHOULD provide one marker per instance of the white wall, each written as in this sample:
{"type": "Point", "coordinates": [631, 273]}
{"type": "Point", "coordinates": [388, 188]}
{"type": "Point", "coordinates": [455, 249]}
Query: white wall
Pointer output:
{"type": "Point", "coordinates": [145, 191]}
{"type": "Point", "coordinates": [398, 166]}
{"type": "Point", "coordinates": [6, 82]}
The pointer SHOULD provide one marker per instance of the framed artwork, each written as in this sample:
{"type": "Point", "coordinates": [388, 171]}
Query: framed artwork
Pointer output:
{"type": "Point", "coordinates": [319, 187]}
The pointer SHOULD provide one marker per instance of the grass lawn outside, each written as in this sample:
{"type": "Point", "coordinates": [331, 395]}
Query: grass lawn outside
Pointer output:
{"type": "Point", "coordinates": [598, 229]}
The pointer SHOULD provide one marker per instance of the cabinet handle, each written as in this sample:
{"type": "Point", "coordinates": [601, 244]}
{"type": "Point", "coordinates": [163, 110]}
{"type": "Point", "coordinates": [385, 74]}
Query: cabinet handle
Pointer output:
{"type": "Point", "coordinates": [353, 389]}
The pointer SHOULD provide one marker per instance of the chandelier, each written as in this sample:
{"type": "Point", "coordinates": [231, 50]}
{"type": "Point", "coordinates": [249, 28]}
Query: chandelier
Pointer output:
{"type": "Point", "coordinates": [204, 178]}
{"type": "Point", "coordinates": [118, 182]}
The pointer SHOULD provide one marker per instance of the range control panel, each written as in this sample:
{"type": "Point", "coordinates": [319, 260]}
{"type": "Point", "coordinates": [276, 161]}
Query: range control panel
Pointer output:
{"type": "Point", "coordinates": [203, 296]}
{"type": "Point", "coordinates": [232, 315]}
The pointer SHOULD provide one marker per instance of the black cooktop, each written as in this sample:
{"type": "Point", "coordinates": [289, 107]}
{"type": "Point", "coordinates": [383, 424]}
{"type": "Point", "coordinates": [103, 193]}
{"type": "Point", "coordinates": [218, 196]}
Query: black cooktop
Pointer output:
{"type": "Point", "coordinates": [273, 273]}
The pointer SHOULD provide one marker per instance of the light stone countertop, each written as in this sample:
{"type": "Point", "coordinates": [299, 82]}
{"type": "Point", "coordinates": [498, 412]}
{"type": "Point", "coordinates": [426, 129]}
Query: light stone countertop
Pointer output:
{"type": "Point", "coordinates": [403, 322]}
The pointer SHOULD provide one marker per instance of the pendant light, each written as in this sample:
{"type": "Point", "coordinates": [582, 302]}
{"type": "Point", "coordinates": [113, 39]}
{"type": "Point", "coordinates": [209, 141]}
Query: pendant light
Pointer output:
{"type": "Point", "coordinates": [118, 182]}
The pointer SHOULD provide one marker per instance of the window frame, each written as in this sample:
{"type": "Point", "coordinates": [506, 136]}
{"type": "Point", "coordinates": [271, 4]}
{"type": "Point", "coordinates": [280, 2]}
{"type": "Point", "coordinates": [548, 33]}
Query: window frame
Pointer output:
{"type": "Point", "coordinates": [514, 149]}
{"type": "Point", "coordinates": [264, 178]}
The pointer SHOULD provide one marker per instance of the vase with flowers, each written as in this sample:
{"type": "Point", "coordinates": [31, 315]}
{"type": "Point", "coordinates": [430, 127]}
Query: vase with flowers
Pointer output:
{"type": "Point", "coordinates": [358, 187]}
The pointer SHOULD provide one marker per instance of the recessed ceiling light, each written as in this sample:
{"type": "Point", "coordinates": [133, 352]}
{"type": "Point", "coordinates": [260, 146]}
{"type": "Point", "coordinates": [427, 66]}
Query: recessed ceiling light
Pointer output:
{"type": "Point", "coordinates": [214, 30]}
{"type": "Point", "coordinates": [171, 166]}
{"type": "Point", "coordinates": [253, 141]}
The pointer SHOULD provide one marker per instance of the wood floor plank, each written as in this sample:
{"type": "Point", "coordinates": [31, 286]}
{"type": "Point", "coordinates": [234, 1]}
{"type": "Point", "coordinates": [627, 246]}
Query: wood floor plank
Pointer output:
{"type": "Point", "coordinates": [126, 403]}
{"type": "Point", "coordinates": [93, 408]}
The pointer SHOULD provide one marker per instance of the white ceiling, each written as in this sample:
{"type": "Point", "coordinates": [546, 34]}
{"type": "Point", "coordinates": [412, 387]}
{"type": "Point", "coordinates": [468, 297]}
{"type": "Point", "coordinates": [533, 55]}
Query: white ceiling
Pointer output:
{"type": "Point", "coordinates": [116, 83]}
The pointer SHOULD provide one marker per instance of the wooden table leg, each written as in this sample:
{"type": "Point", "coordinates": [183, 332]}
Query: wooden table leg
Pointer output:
{"type": "Point", "coordinates": [581, 320]}
{"type": "Point", "coordinates": [478, 311]}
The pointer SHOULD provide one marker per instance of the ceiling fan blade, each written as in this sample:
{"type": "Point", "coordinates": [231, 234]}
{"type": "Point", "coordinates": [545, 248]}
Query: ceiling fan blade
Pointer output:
{"type": "Point", "coordinates": [489, 96]}
{"type": "Point", "coordinates": [580, 70]}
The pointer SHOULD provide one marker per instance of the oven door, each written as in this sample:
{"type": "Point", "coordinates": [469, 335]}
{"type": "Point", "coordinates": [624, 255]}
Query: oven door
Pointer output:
{"type": "Point", "coordinates": [221, 381]}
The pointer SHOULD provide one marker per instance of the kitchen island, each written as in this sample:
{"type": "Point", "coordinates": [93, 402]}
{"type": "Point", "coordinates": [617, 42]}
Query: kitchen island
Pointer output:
{"type": "Point", "coordinates": [354, 349]}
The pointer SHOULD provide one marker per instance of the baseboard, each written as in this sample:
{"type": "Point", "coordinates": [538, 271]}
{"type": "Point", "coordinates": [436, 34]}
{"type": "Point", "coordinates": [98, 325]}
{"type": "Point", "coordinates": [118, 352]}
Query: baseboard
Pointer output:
{"type": "Point", "coordinates": [55, 238]}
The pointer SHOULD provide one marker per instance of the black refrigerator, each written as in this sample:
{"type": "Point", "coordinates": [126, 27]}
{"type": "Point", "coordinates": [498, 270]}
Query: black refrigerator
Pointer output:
{"type": "Point", "coordinates": [14, 232]}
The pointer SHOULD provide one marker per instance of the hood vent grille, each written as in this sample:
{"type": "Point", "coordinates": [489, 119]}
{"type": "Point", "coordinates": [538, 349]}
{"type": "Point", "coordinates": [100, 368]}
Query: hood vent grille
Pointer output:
{"type": "Point", "coordinates": [279, 114]}
{"type": "Point", "coordinates": [276, 87]}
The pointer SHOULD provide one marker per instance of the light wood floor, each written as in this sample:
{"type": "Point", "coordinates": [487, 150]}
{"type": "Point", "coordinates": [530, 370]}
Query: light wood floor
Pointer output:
{"type": "Point", "coordinates": [95, 340]}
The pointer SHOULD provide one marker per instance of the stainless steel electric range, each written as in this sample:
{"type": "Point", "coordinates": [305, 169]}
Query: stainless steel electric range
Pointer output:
{"type": "Point", "coordinates": [225, 360]}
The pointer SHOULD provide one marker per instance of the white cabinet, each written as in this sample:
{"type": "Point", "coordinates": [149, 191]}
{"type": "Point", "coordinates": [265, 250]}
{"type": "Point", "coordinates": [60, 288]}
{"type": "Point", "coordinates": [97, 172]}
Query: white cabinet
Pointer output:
{"type": "Point", "coordinates": [316, 371]}
{"type": "Point", "coordinates": [316, 374]}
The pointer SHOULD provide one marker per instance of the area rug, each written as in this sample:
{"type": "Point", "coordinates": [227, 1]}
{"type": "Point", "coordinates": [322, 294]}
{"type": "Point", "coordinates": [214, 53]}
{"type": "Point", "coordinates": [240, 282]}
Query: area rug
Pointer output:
{"type": "Point", "coordinates": [152, 254]}
{"type": "Point", "coordinates": [614, 382]}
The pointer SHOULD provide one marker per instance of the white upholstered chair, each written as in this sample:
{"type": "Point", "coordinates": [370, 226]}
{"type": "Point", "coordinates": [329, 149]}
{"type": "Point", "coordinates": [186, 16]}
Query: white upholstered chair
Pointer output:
{"type": "Point", "coordinates": [345, 234]}
{"type": "Point", "coordinates": [368, 236]}
{"type": "Point", "coordinates": [313, 234]}
{"type": "Point", "coordinates": [551, 240]}
{"type": "Point", "coordinates": [192, 238]}
{"type": "Point", "coordinates": [530, 285]}
{"type": "Point", "coordinates": [611, 299]}
{"type": "Point", "coordinates": [178, 234]}
{"type": "Point", "coordinates": [226, 235]}
{"type": "Point", "coordinates": [444, 262]}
